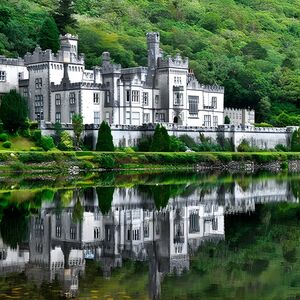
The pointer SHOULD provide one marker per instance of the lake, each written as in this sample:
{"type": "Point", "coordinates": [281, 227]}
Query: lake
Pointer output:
{"type": "Point", "coordinates": [150, 236]}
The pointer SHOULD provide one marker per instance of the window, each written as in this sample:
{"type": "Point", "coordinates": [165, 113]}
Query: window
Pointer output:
{"type": "Point", "coordinates": [25, 93]}
{"type": "Point", "coordinates": [214, 102]}
{"type": "Point", "coordinates": [97, 233]}
{"type": "Point", "coordinates": [215, 224]}
{"type": "Point", "coordinates": [215, 121]}
{"type": "Point", "coordinates": [39, 107]}
{"type": "Point", "coordinates": [127, 117]}
{"type": "Point", "coordinates": [107, 96]}
{"type": "Point", "coordinates": [156, 99]}
{"type": "Point", "coordinates": [146, 98]}
{"type": "Point", "coordinates": [135, 96]}
{"type": "Point", "coordinates": [135, 234]}
{"type": "Point", "coordinates": [57, 99]}
{"type": "Point", "coordinates": [159, 117]}
{"type": "Point", "coordinates": [58, 231]}
{"type": "Point", "coordinates": [38, 83]}
{"type": "Point", "coordinates": [107, 117]}
{"type": "Point", "coordinates": [73, 233]}
{"type": "Point", "coordinates": [177, 80]}
{"type": "Point", "coordinates": [96, 117]}
{"type": "Point", "coordinates": [146, 118]}
{"type": "Point", "coordinates": [207, 120]}
{"type": "Point", "coordinates": [2, 76]}
{"type": "Point", "coordinates": [178, 98]}
{"type": "Point", "coordinates": [72, 113]}
{"type": "Point", "coordinates": [39, 248]}
{"type": "Point", "coordinates": [146, 230]}
{"type": "Point", "coordinates": [194, 221]}
{"type": "Point", "coordinates": [72, 98]}
{"type": "Point", "coordinates": [135, 118]}
{"type": "Point", "coordinates": [58, 117]}
{"type": "Point", "coordinates": [3, 254]}
{"type": "Point", "coordinates": [193, 105]}
{"type": "Point", "coordinates": [96, 98]}
{"type": "Point", "coordinates": [128, 96]}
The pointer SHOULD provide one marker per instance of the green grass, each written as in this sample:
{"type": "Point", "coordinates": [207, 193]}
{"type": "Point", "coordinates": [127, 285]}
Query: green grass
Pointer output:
{"type": "Point", "coordinates": [18, 143]}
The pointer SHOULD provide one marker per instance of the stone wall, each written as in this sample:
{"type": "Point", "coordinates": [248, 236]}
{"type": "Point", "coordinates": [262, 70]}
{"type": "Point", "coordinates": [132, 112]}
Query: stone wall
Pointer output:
{"type": "Point", "coordinates": [129, 135]}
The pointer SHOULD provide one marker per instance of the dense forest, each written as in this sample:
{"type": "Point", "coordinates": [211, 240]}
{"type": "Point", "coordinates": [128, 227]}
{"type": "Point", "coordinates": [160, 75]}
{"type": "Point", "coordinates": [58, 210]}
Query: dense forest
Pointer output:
{"type": "Point", "coordinates": [249, 46]}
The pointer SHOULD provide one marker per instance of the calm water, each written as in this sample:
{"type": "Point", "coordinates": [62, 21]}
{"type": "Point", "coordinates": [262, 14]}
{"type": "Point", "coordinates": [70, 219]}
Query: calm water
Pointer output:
{"type": "Point", "coordinates": [159, 236]}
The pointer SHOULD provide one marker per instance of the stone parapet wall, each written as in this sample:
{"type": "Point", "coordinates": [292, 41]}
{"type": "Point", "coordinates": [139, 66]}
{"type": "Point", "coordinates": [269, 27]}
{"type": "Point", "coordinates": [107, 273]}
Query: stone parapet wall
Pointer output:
{"type": "Point", "coordinates": [130, 135]}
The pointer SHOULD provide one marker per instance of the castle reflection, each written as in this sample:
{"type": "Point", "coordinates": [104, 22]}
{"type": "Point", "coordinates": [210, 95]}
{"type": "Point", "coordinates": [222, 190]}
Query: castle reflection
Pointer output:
{"type": "Point", "coordinates": [111, 225]}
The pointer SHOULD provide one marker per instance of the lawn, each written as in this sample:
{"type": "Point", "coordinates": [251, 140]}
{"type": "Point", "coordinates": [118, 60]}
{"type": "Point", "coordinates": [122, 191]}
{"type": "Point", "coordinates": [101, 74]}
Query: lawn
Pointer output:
{"type": "Point", "coordinates": [18, 143]}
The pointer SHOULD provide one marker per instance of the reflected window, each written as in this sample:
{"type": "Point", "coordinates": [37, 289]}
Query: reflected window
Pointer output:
{"type": "Point", "coordinates": [146, 230]}
{"type": "Point", "coordinates": [58, 231]}
{"type": "Point", "coordinates": [194, 222]}
{"type": "Point", "coordinates": [73, 233]}
{"type": "Point", "coordinates": [96, 232]}
{"type": "Point", "coordinates": [3, 254]}
{"type": "Point", "coordinates": [215, 224]}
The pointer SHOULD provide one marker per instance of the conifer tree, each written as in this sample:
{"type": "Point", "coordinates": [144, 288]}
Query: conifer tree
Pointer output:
{"type": "Point", "coordinates": [161, 140]}
{"type": "Point", "coordinates": [227, 120]}
{"type": "Point", "coordinates": [64, 16]}
{"type": "Point", "coordinates": [49, 35]}
{"type": "Point", "coordinates": [77, 122]}
{"type": "Point", "coordinates": [295, 142]}
{"type": "Point", "coordinates": [13, 111]}
{"type": "Point", "coordinates": [105, 139]}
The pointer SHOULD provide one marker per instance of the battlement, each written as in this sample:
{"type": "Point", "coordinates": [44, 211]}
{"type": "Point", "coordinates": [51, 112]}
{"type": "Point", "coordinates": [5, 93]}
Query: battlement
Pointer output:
{"type": "Point", "coordinates": [173, 62]}
{"type": "Point", "coordinates": [11, 61]}
{"type": "Point", "coordinates": [153, 37]}
{"type": "Point", "coordinates": [76, 86]}
{"type": "Point", "coordinates": [40, 56]}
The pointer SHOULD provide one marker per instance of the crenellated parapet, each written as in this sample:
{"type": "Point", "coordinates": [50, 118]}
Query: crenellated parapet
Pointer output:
{"type": "Point", "coordinates": [11, 61]}
{"type": "Point", "coordinates": [76, 86]}
{"type": "Point", "coordinates": [39, 56]}
{"type": "Point", "coordinates": [173, 62]}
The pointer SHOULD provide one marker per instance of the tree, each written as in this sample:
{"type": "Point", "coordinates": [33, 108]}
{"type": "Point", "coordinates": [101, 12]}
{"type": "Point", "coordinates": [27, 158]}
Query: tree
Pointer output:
{"type": "Point", "coordinates": [49, 35]}
{"type": "Point", "coordinates": [227, 120]}
{"type": "Point", "coordinates": [161, 140]}
{"type": "Point", "coordinates": [105, 198]}
{"type": "Point", "coordinates": [66, 142]}
{"type": "Point", "coordinates": [13, 111]}
{"type": "Point", "coordinates": [64, 16]}
{"type": "Point", "coordinates": [263, 109]}
{"type": "Point", "coordinates": [295, 142]}
{"type": "Point", "coordinates": [77, 122]}
{"type": "Point", "coordinates": [105, 139]}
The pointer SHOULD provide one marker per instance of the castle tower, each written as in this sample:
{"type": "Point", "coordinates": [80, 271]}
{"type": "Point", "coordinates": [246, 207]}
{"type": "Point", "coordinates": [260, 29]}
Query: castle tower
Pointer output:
{"type": "Point", "coordinates": [153, 39]}
{"type": "Point", "coordinates": [71, 41]}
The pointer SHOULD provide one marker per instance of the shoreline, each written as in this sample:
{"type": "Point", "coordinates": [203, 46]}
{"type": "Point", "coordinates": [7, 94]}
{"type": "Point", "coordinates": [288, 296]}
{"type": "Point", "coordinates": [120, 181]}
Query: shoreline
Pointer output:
{"type": "Point", "coordinates": [71, 162]}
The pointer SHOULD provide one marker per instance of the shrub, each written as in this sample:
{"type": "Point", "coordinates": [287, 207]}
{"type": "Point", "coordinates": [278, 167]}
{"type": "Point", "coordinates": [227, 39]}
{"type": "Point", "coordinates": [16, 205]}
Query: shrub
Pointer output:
{"type": "Point", "coordinates": [66, 142]}
{"type": "Point", "coordinates": [4, 137]}
{"type": "Point", "coordinates": [145, 143]}
{"type": "Point", "coordinates": [6, 144]}
{"type": "Point", "coordinates": [105, 140]}
{"type": "Point", "coordinates": [33, 125]}
{"type": "Point", "coordinates": [47, 142]}
{"type": "Point", "coordinates": [263, 125]}
{"type": "Point", "coordinates": [36, 149]}
{"type": "Point", "coordinates": [176, 145]}
{"type": "Point", "coordinates": [18, 167]}
{"type": "Point", "coordinates": [188, 141]}
{"type": "Point", "coordinates": [105, 161]}
{"type": "Point", "coordinates": [87, 165]}
{"type": "Point", "coordinates": [295, 142]}
{"type": "Point", "coordinates": [281, 148]}
{"type": "Point", "coordinates": [25, 133]}
{"type": "Point", "coordinates": [37, 135]}
{"type": "Point", "coordinates": [161, 140]}
{"type": "Point", "coordinates": [244, 146]}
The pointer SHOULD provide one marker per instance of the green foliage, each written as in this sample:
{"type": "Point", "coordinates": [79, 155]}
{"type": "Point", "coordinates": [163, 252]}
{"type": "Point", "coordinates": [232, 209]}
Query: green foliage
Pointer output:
{"type": "Point", "coordinates": [4, 137]}
{"type": "Point", "coordinates": [226, 120]}
{"type": "Point", "coordinates": [105, 161]}
{"type": "Point", "coordinates": [49, 35]}
{"type": "Point", "coordinates": [105, 197]}
{"type": "Point", "coordinates": [57, 133]}
{"type": "Point", "coordinates": [64, 16]}
{"type": "Point", "coordinates": [13, 111]}
{"type": "Point", "coordinates": [263, 110]}
{"type": "Point", "coordinates": [176, 144]}
{"type": "Point", "coordinates": [66, 142]}
{"type": "Point", "coordinates": [77, 122]}
{"type": "Point", "coordinates": [78, 210]}
{"type": "Point", "coordinates": [295, 142]}
{"type": "Point", "coordinates": [161, 140]}
{"type": "Point", "coordinates": [281, 148]}
{"type": "Point", "coordinates": [37, 135]}
{"type": "Point", "coordinates": [244, 146]}
{"type": "Point", "coordinates": [105, 140]}
{"type": "Point", "coordinates": [47, 143]}
{"type": "Point", "coordinates": [145, 144]}
{"type": "Point", "coordinates": [6, 144]}
{"type": "Point", "coordinates": [188, 141]}
{"type": "Point", "coordinates": [263, 125]}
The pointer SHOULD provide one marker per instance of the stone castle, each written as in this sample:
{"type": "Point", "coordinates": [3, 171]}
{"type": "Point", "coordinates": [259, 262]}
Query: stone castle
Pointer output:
{"type": "Point", "coordinates": [165, 91]}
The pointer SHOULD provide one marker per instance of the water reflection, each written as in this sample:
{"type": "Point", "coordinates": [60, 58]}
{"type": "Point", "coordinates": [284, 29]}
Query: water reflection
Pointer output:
{"type": "Point", "coordinates": [163, 225]}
